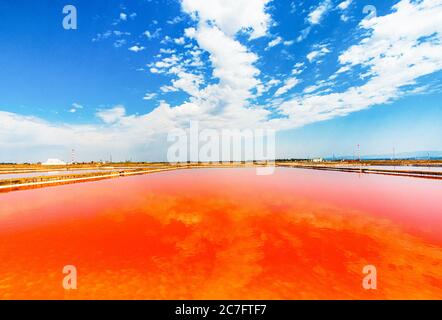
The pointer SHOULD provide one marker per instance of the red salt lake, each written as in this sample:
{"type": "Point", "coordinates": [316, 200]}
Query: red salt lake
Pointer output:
{"type": "Point", "coordinates": [225, 234]}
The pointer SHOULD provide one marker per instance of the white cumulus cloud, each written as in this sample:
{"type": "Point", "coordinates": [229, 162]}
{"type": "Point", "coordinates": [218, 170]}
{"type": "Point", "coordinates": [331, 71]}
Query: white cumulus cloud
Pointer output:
{"type": "Point", "coordinates": [231, 16]}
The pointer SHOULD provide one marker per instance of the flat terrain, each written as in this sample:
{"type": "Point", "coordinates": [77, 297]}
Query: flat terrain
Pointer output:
{"type": "Point", "coordinates": [25, 176]}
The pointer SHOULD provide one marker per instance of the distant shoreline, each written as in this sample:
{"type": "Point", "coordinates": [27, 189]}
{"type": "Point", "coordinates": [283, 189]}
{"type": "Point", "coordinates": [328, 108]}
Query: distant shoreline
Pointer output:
{"type": "Point", "coordinates": [116, 170]}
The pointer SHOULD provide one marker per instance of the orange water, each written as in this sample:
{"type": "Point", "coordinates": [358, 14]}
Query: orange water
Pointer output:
{"type": "Point", "coordinates": [225, 234]}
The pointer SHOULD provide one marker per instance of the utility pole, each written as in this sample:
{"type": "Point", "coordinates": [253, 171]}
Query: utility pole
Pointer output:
{"type": "Point", "coordinates": [72, 156]}
{"type": "Point", "coordinates": [359, 153]}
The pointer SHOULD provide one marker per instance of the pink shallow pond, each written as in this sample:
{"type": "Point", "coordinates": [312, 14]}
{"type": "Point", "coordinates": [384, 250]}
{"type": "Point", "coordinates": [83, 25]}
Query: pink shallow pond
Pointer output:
{"type": "Point", "coordinates": [225, 234]}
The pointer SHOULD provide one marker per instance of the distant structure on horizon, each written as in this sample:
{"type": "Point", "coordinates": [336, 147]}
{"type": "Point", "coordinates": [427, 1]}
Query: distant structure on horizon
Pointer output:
{"type": "Point", "coordinates": [54, 162]}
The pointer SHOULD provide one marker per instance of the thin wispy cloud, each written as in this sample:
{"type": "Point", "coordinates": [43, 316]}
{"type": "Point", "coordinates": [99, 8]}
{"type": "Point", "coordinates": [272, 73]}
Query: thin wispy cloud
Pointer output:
{"type": "Point", "coordinates": [319, 12]}
{"type": "Point", "coordinates": [136, 48]}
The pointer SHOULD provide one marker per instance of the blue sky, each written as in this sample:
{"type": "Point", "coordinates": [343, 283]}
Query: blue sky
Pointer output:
{"type": "Point", "coordinates": [326, 74]}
